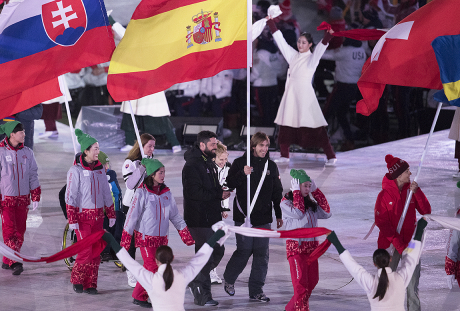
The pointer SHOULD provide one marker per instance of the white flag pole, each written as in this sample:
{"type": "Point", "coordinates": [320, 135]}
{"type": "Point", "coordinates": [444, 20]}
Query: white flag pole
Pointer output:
{"type": "Point", "coordinates": [248, 111]}
{"type": "Point", "coordinates": [409, 196]}
{"type": "Point", "coordinates": [141, 148]}
{"type": "Point", "coordinates": [63, 87]}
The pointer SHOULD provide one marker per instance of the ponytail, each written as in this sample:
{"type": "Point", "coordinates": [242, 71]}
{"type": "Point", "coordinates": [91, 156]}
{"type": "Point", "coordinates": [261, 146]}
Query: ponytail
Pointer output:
{"type": "Point", "coordinates": [382, 260]}
{"type": "Point", "coordinates": [165, 255]}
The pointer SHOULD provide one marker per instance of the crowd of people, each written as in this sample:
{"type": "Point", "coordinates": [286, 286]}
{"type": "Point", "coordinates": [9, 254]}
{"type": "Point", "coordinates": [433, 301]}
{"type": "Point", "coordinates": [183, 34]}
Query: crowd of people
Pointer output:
{"type": "Point", "coordinates": [141, 220]}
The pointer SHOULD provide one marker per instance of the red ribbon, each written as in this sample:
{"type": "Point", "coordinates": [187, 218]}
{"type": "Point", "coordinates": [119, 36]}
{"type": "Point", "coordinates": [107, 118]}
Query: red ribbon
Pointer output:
{"type": "Point", "coordinates": [356, 34]}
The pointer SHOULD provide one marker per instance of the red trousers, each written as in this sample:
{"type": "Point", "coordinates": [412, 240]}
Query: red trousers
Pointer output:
{"type": "Point", "coordinates": [13, 227]}
{"type": "Point", "coordinates": [305, 137]}
{"type": "Point", "coordinates": [148, 255]}
{"type": "Point", "coordinates": [86, 265]}
{"type": "Point", "coordinates": [304, 279]}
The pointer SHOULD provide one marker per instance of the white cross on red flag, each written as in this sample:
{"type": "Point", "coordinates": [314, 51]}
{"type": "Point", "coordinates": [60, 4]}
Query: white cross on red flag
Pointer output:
{"type": "Point", "coordinates": [404, 56]}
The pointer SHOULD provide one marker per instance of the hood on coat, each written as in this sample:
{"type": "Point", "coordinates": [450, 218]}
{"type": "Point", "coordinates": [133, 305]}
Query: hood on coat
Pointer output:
{"type": "Point", "coordinates": [195, 154]}
{"type": "Point", "coordinates": [392, 186]}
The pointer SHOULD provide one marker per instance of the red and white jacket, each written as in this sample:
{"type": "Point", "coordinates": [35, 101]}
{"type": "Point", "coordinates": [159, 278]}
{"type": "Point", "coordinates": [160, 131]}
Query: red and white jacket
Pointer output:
{"type": "Point", "coordinates": [295, 216]}
{"type": "Point", "coordinates": [388, 210]}
{"type": "Point", "coordinates": [19, 175]}
{"type": "Point", "coordinates": [148, 219]}
{"type": "Point", "coordinates": [88, 193]}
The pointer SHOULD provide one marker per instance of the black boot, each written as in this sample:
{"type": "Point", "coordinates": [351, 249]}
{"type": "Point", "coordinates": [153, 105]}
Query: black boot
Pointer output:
{"type": "Point", "coordinates": [17, 268]}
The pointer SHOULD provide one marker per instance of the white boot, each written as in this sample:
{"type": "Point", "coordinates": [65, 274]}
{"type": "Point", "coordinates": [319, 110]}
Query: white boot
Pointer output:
{"type": "Point", "coordinates": [131, 279]}
{"type": "Point", "coordinates": [215, 279]}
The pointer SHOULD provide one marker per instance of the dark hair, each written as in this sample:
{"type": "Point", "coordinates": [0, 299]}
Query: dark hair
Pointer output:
{"type": "Point", "coordinates": [309, 38]}
{"type": "Point", "coordinates": [135, 153]}
{"type": "Point", "coordinates": [19, 127]}
{"type": "Point", "coordinates": [83, 154]}
{"type": "Point", "coordinates": [165, 255]}
{"type": "Point", "coordinates": [352, 42]}
{"type": "Point", "coordinates": [382, 260]}
{"type": "Point", "coordinates": [148, 181]}
{"type": "Point", "coordinates": [307, 201]}
{"type": "Point", "coordinates": [205, 136]}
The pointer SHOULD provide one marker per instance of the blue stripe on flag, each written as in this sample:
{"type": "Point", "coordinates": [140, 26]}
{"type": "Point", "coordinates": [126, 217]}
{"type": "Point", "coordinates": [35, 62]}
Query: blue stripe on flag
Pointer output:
{"type": "Point", "coordinates": [28, 36]}
{"type": "Point", "coordinates": [447, 51]}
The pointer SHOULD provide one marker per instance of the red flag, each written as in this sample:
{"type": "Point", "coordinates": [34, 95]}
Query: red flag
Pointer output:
{"type": "Point", "coordinates": [43, 39]}
{"type": "Point", "coordinates": [403, 56]}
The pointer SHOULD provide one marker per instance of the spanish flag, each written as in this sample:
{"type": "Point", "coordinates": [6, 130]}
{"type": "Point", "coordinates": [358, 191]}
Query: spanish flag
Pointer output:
{"type": "Point", "coordinates": [173, 41]}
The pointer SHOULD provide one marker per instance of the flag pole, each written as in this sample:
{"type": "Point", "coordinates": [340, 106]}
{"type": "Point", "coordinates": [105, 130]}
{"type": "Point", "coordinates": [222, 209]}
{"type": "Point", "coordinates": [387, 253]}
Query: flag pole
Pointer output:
{"type": "Point", "coordinates": [248, 106]}
{"type": "Point", "coordinates": [63, 87]}
{"type": "Point", "coordinates": [409, 196]}
{"type": "Point", "coordinates": [141, 148]}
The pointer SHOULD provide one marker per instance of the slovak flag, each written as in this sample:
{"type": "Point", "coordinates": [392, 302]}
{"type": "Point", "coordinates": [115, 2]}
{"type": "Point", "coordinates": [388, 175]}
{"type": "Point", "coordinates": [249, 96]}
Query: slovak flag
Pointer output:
{"type": "Point", "coordinates": [43, 39]}
{"type": "Point", "coordinates": [404, 56]}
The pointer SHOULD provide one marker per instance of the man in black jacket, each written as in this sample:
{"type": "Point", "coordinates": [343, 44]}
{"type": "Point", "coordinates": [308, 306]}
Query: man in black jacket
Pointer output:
{"type": "Point", "coordinates": [269, 197]}
{"type": "Point", "coordinates": [202, 208]}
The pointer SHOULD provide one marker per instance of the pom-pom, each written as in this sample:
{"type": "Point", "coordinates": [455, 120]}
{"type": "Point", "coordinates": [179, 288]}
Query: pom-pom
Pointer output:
{"type": "Point", "coordinates": [78, 132]}
{"type": "Point", "coordinates": [388, 158]}
{"type": "Point", "coordinates": [293, 173]}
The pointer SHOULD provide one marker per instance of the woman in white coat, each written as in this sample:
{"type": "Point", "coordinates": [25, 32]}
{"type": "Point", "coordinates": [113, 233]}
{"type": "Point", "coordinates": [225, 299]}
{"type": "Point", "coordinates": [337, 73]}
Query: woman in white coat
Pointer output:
{"type": "Point", "coordinates": [299, 116]}
{"type": "Point", "coordinates": [386, 289]}
{"type": "Point", "coordinates": [166, 287]}
{"type": "Point", "coordinates": [152, 116]}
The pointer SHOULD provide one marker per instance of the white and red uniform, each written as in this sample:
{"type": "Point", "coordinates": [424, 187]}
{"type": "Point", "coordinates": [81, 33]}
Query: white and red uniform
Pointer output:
{"type": "Point", "coordinates": [148, 220]}
{"type": "Point", "coordinates": [87, 196]}
{"type": "Point", "coordinates": [304, 277]}
{"type": "Point", "coordinates": [18, 184]}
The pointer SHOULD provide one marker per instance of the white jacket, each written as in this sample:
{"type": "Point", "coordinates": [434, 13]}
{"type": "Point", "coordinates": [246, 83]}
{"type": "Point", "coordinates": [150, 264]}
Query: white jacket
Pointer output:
{"type": "Point", "coordinates": [220, 85]}
{"type": "Point", "coordinates": [299, 106]}
{"type": "Point", "coordinates": [398, 280]}
{"type": "Point", "coordinates": [153, 283]}
{"type": "Point", "coordinates": [266, 68]}
{"type": "Point", "coordinates": [349, 61]}
{"type": "Point", "coordinates": [154, 105]}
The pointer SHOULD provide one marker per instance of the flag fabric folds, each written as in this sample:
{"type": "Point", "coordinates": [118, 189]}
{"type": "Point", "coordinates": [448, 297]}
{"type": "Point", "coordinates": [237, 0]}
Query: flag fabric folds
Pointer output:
{"type": "Point", "coordinates": [403, 56]}
{"type": "Point", "coordinates": [42, 39]}
{"type": "Point", "coordinates": [447, 50]}
{"type": "Point", "coordinates": [172, 41]}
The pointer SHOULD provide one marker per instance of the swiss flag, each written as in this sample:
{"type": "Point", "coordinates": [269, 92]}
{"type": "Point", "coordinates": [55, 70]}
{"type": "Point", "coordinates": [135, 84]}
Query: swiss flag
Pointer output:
{"type": "Point", "coordinates": [404, 56]}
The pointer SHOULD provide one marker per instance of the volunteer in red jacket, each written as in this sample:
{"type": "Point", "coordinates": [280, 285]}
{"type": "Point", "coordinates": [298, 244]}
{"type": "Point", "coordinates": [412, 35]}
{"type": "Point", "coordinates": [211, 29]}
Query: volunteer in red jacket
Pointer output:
{"type": "Point", "coordinates": [87, 196]}
{"type": "Point", "coordinates": [18, 184]}
{"type": "Point", "coordinates": [388, 209]}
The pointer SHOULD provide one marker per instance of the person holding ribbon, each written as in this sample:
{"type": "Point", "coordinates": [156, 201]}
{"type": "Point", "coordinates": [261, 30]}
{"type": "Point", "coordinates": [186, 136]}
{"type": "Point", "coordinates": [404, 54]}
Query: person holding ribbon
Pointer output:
{"type": "Point", "coordinates": [266, 195]}
{"type": "Point", "coordinates": [385, 289]}
{"type": "Point", "coordinates": [18, 184]}
{"type": "Point", "coordinates": [152, 207]}
{"type": "Point", "coordinates": [302, 207]}
{"type": "Point", "coordinates": [87, 196]}
{"type": "Point", "coordinates": [388, 210]}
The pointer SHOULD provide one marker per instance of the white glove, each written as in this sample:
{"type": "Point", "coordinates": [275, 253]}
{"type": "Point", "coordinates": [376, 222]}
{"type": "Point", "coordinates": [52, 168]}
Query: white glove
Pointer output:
{"type": "Point", "coordinates": [221, 225]}
{"type": "Point", "coordinates": [34, 205]}
{"type": "Point", "coordinates": [313, 185]}
{"type": "Point", "coordinates": [295, 184]}
{"type": "Point", "coordinates": [112, 222]}
{"type": "Point", "coordinates": [274, 11]}
{"type": "Point", "coordinates": [74, 226]}
{"type": "Point", "coordinates": [450, 280]}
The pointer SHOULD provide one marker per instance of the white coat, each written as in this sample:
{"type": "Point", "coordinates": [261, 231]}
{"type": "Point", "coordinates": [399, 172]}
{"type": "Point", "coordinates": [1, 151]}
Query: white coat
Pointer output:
{"type": "Point", "coordinates": [173, 298]}
{"type": "Point", "coordinates": [299, 106]}
{"type": "Point", "coordinates": [454, 132]}
{"type": "Point", "coordinates": [398, 280]}
{"type": "Point", "coordinates": [154, 105]}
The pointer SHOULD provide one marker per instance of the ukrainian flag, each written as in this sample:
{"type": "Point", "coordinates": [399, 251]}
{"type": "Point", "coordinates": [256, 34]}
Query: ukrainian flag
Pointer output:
{"type": "Point", "coordinates": [447, 50]}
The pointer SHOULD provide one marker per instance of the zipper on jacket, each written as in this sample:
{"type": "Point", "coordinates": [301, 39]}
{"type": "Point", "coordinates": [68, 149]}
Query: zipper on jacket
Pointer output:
{"type": "Point", "coordinates": [159, 227]}
{"type": "Point", "coordinates": [17, 169]}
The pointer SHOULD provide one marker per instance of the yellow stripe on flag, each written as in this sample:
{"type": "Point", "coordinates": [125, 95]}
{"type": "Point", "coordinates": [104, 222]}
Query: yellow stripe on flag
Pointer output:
{"type": "Point", "coordinates": [452, 90]}
{"type": "Point", "coordinates": [149, 43]}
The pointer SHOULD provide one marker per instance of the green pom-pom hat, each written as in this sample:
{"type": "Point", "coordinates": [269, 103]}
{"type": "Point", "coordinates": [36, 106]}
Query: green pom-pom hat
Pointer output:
{"type": "Point", "coordinates": [300, 175]}
{"type": "Point", "coordinates": [151, 165]}
{"type": "Point", "coordinates": [8, 127]}
{"type": "Point", "coordinates": [84, 140]}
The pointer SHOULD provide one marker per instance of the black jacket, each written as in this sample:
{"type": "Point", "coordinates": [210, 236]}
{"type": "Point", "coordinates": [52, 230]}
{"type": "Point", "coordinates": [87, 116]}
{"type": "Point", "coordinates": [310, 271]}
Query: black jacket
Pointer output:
{"type": "Point", "coordinates": [270, 194]}
{"type": "Point", "coordinates": [202, 191]}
